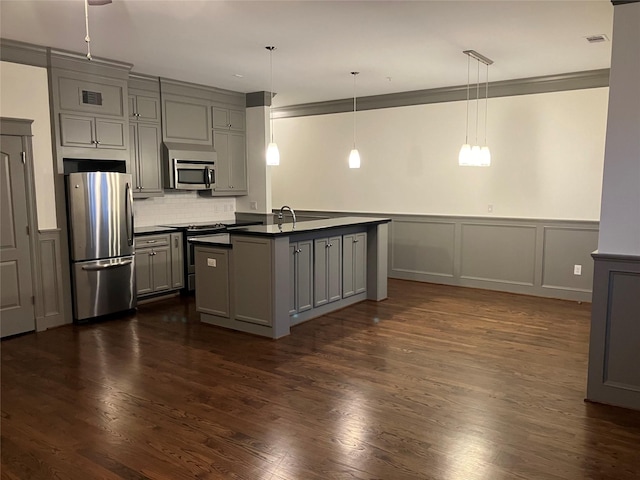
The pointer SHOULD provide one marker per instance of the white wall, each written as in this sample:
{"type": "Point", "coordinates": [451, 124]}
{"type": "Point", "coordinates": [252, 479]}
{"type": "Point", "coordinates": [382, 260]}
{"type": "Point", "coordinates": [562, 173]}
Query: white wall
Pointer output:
{"type": "Point", "coordinates": [547, 157]}
{"type": "Point", "coordinates": [620, 221]}
{"type": "Point", "coordinates": [24, 93]}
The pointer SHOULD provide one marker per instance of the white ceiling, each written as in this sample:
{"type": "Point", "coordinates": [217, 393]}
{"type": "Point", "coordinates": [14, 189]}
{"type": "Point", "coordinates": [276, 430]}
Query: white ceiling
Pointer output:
{"type": "Point", "coordinates": [396, 45]}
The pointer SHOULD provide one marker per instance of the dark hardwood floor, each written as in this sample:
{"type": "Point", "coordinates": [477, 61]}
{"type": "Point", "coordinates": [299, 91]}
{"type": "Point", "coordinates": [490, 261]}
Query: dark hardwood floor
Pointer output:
{"type": "Point", "coordinates": [435, 383]}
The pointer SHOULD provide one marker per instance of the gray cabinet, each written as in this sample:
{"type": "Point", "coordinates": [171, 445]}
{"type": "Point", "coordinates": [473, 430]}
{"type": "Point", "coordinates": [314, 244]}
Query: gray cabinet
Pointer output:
{"type": "Point", "coordinates": [177, 261]}
{"type": "Point", "coordinates": [92, 132]}
{"type": "Point", "coordinates": [327, 270]}
{"type": "Point", "coordinates": [212, 280]}
{"type": "Point", "coordinates": [231, 167]}
{"type": "Point", "coordinates": [89, 109]}
{"type": "Point", "coordinates": [300, 276]}
{"type": "Point", "coordinates": [144, 108]}
{"type": "Point", "coordinates": [145, 136]}
{"type": "Point", "coordinates": [155, 265]}
{"type": "Point", "coordinates": [186, 120]}
{"type": "Point", "coordinates": [144, 144]}
{"type": "Point", "coordinates": [354, 264]}
{"type": "Point", "coordinates": [228, 119]}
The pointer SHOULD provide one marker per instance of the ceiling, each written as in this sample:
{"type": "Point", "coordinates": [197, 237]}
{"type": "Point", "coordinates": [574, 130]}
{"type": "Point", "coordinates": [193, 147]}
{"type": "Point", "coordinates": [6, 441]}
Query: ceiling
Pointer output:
{"type": "Point", "coordinates": [396, 45]}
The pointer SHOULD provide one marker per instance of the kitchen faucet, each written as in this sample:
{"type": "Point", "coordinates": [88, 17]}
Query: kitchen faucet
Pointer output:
{"type": "Point", "coordinates": [281, 214]}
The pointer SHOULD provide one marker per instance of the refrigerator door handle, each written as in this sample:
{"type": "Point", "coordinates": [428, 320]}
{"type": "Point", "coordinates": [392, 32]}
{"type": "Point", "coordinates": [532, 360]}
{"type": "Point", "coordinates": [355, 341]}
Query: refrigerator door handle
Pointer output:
{"type": "Point", "coordinates": [129, 210]}
{"type": "Point", "coordinates": [106, 266]}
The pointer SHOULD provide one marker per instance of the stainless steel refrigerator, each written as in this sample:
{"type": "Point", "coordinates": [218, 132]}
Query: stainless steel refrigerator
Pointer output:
{"type": "Point", "coordinates": [101, 243]}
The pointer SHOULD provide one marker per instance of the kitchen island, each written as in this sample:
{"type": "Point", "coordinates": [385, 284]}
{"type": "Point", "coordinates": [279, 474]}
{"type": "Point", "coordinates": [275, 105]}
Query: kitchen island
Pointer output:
{"type": "Point", "coordinates": [264, 279]}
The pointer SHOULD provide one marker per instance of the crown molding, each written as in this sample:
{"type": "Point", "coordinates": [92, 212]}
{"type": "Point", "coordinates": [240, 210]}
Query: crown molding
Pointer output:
{"type": "Point", "coordinates": [505, 88]}
{"type": "Point", "coordinates": [24, 53]}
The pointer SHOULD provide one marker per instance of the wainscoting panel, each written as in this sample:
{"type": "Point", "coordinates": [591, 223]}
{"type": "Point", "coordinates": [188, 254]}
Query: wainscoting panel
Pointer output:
{"type": "Point", "coordinates": [49, 297]}
{"type": "Point", "coordinates": [527, 256]}
{"type": "Point", "coordinates": [623, 332]}
{"type": "Point", "coordinates": [565, 247]}
{"type": "Point", "coordinates": [498, 253]}
{"type": "Point", "coordinates": [423, 247]}
{"type": "Point", "coordinates": [614, 376]}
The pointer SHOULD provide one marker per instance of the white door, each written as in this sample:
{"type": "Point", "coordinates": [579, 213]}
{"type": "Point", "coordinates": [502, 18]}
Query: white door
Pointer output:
{"type": "Point", "coordinates": [16, 291]}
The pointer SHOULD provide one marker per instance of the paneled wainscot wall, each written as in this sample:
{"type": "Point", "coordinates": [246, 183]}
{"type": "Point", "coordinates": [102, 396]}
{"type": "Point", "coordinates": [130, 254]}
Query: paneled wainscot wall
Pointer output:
{"type": "Point", "coordinates": [527, 256]}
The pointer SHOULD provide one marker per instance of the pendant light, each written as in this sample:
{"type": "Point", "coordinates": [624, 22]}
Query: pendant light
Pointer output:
{"type": "Point", "coordinates": [273, 154]}
{"type": "Point", "coordinates": [354, 156]}
{"type": "Point", "coordinates": [475, 155]}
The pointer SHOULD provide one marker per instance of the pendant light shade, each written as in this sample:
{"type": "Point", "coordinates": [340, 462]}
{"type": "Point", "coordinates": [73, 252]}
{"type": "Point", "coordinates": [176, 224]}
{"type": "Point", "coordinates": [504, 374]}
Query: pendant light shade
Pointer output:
{"type": "Point", "coordinates": [354, 156]}
{"type": "Point", "coordinates": [474, 155]}
{"type": "Point", "coordinates": [273, 154]}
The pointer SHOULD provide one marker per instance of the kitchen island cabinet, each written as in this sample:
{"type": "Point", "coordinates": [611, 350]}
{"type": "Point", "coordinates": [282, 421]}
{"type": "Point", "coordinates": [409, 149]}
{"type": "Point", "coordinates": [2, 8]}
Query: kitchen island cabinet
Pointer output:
{"type": "Point", "coordinates": [280, 276]}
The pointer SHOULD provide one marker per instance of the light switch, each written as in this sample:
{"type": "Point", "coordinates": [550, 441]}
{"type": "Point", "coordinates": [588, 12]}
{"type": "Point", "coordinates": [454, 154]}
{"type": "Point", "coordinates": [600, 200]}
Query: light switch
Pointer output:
{"type": "Point", "coordinates": [211, 262]}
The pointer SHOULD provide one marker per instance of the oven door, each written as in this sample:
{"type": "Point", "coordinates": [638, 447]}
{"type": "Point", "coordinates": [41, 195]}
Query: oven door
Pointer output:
{"type": "Point", "coordinates": [189, 175]}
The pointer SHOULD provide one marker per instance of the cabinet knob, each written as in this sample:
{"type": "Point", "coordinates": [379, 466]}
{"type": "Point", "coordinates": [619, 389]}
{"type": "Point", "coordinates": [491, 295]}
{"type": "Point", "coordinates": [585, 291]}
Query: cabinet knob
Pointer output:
{"type": "Point", "coordinates": [97, 142]}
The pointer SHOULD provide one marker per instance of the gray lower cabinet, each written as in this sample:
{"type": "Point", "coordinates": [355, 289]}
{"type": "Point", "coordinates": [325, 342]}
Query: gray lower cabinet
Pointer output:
{"type": "Point", "coordinates": [177, 261]}
{"type": "Point", "coordinates": [155, 265]}
{"type": "Point", "coordinates": [144, 144]}
{"type": "Point", "coordinates": [212, 281]}
{"type": "Point", "coordinates": [252, 280]}
{"type": "Point", "coordinates": [92, 132]}
{"type": "Point", "coordinates": [153, 270]}
{"type": "Point", "coordinates": [231, 167]}
{"type": "Point", "coordinates": [354, 264]}
{"type": "Point", "coordinates": [327, 270]}
{"type": "Point", "coordinates": [300, 276]}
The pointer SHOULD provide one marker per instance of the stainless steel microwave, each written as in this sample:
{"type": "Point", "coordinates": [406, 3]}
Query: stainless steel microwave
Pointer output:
{"type": "Point", "coordinates": [193, 174]}
{"type": "Point", "coordinates": [189, 167]}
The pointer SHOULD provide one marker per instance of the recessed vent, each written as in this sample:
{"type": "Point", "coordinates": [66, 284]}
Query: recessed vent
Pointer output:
{"type": "Point", "coordinates": [91, 98]}
{"type": "Point", "coordinates": [597, 38]}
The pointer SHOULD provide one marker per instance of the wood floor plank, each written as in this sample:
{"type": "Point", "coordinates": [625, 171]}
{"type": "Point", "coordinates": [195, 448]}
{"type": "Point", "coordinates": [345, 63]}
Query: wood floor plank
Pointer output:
{"type": "Point", "coordinates": [435, 383]}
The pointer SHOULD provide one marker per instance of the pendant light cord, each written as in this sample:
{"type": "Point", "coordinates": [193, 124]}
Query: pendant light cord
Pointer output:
{"type": "Point", "coordinates": [477, 100]}
{"type": "Point", "coordinates": [466, 132]}
{"type": "Point", "coordinates": [354, 108]}
{"type": "Point", "coordinates": [486, 106]}
{"type": "Point", "coordinates": [86, 24]}
{"type": "Point", "coordinates": [271, 49]}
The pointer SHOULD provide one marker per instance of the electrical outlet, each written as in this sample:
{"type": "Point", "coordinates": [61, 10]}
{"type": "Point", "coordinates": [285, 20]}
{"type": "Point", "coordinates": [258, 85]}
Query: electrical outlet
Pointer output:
{"type": "Point", "coordinates": [211, 262]}
{"type": "Point", "coordinates": [253, 205]}
{"type": "Point", "coordinates": [577, 269]}
{"type": "Point", "coordinates": [490, 208]}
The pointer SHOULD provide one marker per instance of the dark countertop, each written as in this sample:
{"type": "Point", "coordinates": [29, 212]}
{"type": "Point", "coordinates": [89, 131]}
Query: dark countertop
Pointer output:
{"type": "Point", "coordinates": [309, 226]}
{"type": "Point", "coordinates": [215, 240]}
{"type": "Point", "coordinates": [153, 229]}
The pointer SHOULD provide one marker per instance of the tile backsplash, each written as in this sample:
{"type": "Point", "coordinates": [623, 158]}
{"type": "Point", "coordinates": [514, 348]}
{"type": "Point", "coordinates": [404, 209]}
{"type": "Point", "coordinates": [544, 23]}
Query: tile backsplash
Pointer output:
{"type": "Point", "coordinates": [182, 207]}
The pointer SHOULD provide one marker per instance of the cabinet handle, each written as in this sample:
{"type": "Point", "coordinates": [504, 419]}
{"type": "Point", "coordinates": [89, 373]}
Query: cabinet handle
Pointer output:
{"type": "Point", "coordinates": [152, 241]}
{"type": "Point", "coordinates": [175, 241]}
{"type": "Point", "coordinates": [297, 250]}
{"type": "Point", "coordinates": [356, 241]}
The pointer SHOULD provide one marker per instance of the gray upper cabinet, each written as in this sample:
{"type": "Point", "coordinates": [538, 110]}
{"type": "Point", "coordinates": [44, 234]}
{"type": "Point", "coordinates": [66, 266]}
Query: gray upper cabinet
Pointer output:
{"type": "Point", "coordinates": [144, 108]}
{"type": "Point", "coordinates": [354, 264]}
{"type": "Point", "coordinates": [145, 159]}
{"type": "Point", "coordinates": [186, 120]}
{"type": "Point", "coordinates": [145, 136]}
{"type": "Point", "coordinates": [327, 270]}
{"type": "Point", "coordinates": [91, 132]}
{"type": "Point", "coordinates": [89, 111]}
{"type": "Point", "coordinates": [228, 119]}
{"type": "Point", "coordinates": [231, 167]}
